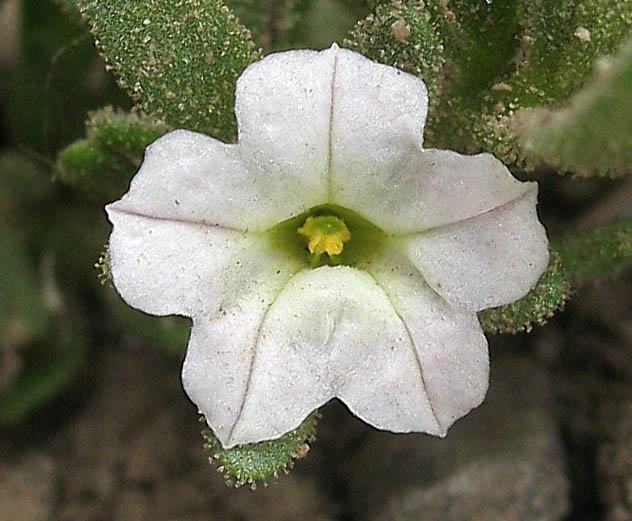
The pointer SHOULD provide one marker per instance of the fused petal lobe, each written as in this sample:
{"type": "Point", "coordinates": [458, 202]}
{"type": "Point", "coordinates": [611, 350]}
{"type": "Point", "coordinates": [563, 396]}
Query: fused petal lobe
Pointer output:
{"type": "Point", "coordinates": [487, 260]}
{"type": "Point", "coordinates": [334, 332]}
{"type": "Point", "coordinates": [283, 108]}
{"type": "Point", "coordinates": [169, 267]}
{"type": "Point", "coordinates": [450, 345]}
{"type": "Point", "coordinates": [377, 119]}
{"type": "Point", "coordinates": [190, 177]}
{"type": "Point", "coordinates": [225, 336]}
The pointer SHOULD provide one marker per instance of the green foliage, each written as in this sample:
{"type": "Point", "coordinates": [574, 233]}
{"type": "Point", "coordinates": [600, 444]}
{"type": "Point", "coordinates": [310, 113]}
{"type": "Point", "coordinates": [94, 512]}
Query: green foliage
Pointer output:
{"type": "Point", "coordinates": [41, 341]}
{"type": "Point", "coordinates": [23, 311]}
{"type": "Point", "coordinates": [46, 93]}
{"type": "Point", "coordinates": [102, 164]}
{"type": "Point", "coordinates": [48, 366]}
{"type": "Point", "coordinates": [22, 184]}
{"type": "Point", "coordinates": [483, 61]}
{"type": "Point", "coordinates": [541, 303]}
{"type": "Point", "coordinates": [275, 24]}
{"type": "Point", "coordinates": [593, 135]}
{"type": "Point", "coordinates": [403, 35]}
{"type": "Point", "coordinates": [247, 464]}
{"type": "Point", "coordinates": [42, 337]}
{"type": "Point", "coordinates": [602, 252]}
{"type": "Point", "coordinates": [557, 44]}
{"type": "Point", "coordinates": [178, 60]}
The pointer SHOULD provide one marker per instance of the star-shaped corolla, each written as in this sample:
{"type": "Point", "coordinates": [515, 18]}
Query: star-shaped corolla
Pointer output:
{"type": "Point", "coordinates": [326, 253]}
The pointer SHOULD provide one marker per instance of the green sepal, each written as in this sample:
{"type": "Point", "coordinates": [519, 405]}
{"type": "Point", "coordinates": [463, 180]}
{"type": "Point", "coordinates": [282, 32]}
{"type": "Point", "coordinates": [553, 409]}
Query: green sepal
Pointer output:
{"type": "Point", "coordinates": [593, 135]}
{"type": "Point", "coordinates": [546, 298]}
{"type": "Point", "coordinates": [177, 60]}
{"type": "Point", "coordinates": [102, 265]}
{"type": "Point", "coordinates": [102, 164]}
{"type": "Point", "coordinates": [601, 252]}
{"type": "Point", "coordinates": [248, 464]}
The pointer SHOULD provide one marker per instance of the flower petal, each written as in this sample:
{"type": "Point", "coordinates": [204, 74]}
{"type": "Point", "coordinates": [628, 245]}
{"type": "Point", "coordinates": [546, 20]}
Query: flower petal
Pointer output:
{"type": "Point", "coordinates": [434, 188]}
{"type": "Point", "coordinates": [486, 260]}
{"type": "Point", "coordinates": [450, 344]}
{"type": "Point", "coordinates": [333, 332]}
{"type": "Point", "coordinates": [218, 364]}
{"type": "Point", "coordinates": [190, 177]}
{"type": "Point", "coordinates": [168, 267]}
{"type": "Point", "coordinates": [225, 334]}
{"type": "Point", "coordinates": [378, 115]}
{"type": "Point", "coordinates": [378, 167]}
{"type": "Point", "coordinates": [283, 108]}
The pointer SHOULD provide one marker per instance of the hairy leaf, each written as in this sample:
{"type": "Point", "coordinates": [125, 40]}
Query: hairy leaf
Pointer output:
{"type": "Point", "coordinates": [593, 135]}
{"type": "Point", "coordinates": [483, 61]}
{"type": "Point", "coordinates": [178, 60]}
{"type": "Point", "coordinates": [403, 35]}
{"type": "Point", "coordinates": [598, 253]}
{"type": "Point", "coordinates": [558, 44]}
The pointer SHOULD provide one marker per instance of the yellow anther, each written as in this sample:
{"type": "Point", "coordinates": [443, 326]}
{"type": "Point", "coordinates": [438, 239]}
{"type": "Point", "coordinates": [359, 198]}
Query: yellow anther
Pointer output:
{"type": "Point", "coordinates": [325, 234]}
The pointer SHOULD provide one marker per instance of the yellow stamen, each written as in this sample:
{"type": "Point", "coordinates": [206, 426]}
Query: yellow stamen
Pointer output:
{"type": "Point", "coordinates": [325, 234]}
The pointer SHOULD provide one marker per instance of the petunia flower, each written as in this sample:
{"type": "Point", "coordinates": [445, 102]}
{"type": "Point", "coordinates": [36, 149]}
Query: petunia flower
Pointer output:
{"type": "Point", "coordinates": [326, 254]}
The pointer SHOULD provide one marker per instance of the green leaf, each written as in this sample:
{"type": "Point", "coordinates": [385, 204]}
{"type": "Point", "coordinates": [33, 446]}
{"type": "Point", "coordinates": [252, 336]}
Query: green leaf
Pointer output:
{"type": "Point", "coordinates": [593, 135]}
{"type": "Point", "coordinates": [559, 43]}
{"type": "Point", "coordinates": [504, 55]}
{"type": "Point", "coordinates": [404, 35]}
{"type": "Point", "coordinates": [102, 164]}
{"type": "Point", "coordinates": [540, 304]}
{"type": "Point", "coordinates": [247, 464]}
{"type": "Point", "coordinates": [178, 60]}
{"type": "Point", "coordinates": [601, 252]}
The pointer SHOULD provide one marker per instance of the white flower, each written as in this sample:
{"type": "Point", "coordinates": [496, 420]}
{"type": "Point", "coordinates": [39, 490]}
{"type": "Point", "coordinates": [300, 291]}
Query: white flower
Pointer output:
{"type": "Point", "coordinates": [410, 243]}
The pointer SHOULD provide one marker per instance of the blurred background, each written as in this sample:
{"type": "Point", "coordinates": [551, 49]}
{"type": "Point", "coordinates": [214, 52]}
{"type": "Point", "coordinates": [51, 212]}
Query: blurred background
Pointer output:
{"type": "Point", "coordinates": [94, 425]}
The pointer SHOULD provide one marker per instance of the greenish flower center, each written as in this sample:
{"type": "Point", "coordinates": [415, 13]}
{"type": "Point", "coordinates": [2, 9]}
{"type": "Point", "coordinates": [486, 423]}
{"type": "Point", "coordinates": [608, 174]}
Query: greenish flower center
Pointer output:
{"type": "Point", "coordinates": [344, 236]}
